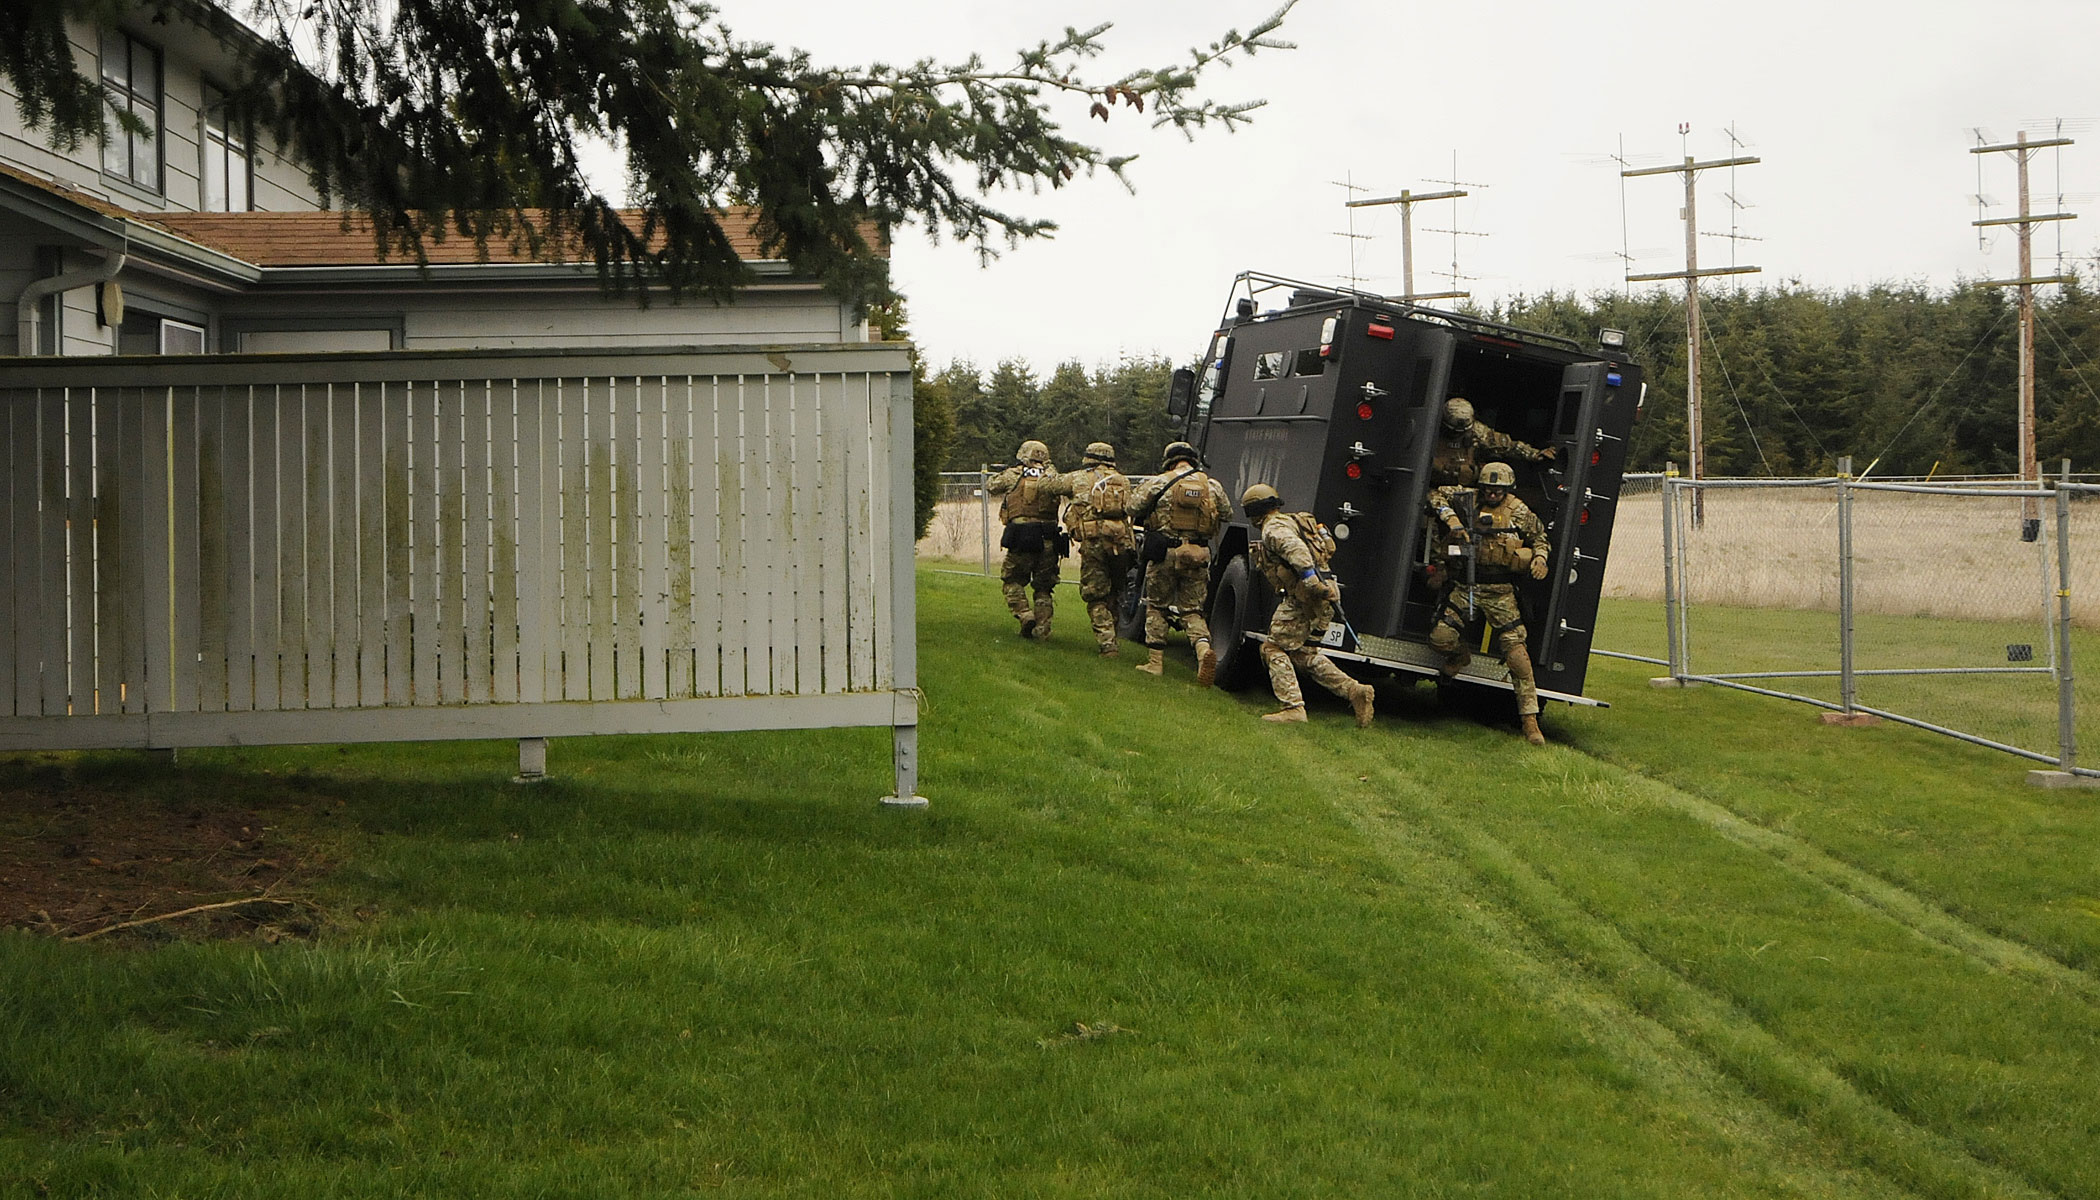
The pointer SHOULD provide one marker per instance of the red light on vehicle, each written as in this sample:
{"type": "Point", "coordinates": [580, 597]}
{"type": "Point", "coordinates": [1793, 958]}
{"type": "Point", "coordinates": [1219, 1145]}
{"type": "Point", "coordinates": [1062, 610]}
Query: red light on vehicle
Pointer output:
{"type": "Point", "coordinates": [1585, 517]}
{"type": "Point", "coordinates": [1365, 410]}
{"type": "Point", "coordinates": [1356, 471]}
{"type": "Point", "coordinates": [1596, 456]}
{"type": "Point", "coordinates": [1379, 331]}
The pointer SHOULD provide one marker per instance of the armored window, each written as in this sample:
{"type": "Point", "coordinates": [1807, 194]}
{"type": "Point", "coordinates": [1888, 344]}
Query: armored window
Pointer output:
{"type": "Point", "coordinates": [228, 170]}
{"type": "Point", "coordinates": [1309, 362]}
{"type": "Point", "coordinates": [1269, 365]}
{"type": "Point", "coordinates": [131, 80]}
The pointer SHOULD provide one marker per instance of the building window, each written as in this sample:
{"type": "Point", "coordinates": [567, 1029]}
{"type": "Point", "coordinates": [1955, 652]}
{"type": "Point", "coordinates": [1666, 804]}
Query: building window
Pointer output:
{"type": "Point", "coordinates": [229, 169]}
{"type": "Point", "coordinates": [131, 77]}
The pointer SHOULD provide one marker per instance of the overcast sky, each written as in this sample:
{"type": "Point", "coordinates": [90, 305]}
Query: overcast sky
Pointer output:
{"type": "Point", "coordinates": [1862, 112]}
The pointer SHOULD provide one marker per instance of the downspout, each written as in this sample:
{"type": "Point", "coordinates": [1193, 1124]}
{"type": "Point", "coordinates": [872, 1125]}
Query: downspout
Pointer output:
{"type": "Point", "coordinates": [26, 304]}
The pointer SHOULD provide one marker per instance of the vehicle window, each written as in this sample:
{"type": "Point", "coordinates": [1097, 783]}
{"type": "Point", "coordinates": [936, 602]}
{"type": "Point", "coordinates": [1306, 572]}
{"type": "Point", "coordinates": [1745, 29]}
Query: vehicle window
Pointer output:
{"type": "Point", "coordinates": [1309, 362]}
{"type": "Point", "coordinates": [1269, 366]}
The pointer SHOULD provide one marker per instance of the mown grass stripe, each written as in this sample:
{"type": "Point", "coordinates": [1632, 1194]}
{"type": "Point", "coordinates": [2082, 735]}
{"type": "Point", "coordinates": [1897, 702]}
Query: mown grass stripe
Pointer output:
{"type": "Point", "coordinates": [1913, 912]}
{"type": "Point", "coordinates": [1794, 1084]}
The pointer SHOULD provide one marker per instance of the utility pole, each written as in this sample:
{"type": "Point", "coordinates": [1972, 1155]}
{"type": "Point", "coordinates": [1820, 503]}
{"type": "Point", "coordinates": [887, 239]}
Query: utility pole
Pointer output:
{"type": "Point", "coordinates": [1694, 426]}
{"type": "Point", "coordinates": [2022, 150]}
{"type": "Point", "coordinates": [1407, 201]}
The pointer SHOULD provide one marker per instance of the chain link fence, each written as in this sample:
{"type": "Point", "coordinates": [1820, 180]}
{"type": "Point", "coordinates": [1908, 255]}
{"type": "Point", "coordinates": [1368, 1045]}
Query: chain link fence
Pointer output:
{"type": "Point", "coordinates": [1958, 606]}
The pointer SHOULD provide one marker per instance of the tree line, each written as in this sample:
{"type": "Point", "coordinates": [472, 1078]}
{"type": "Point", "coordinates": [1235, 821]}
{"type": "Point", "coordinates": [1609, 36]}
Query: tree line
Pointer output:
{"type": "Point", "coordinates": [1902, 377]}
{"type": "Point", "coordinates": [1905, 379]}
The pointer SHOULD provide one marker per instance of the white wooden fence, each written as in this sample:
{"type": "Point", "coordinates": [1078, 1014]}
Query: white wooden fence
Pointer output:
{"type": "Point", "coordinates": [227, 550]}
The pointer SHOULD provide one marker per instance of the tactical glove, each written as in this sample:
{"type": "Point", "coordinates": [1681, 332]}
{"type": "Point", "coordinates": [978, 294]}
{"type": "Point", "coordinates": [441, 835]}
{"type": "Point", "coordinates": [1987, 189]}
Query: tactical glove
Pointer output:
{"type": "Point", "coordinates": [1332, 589]}
{"type": "Point", "coordinates": [1458, 529]}
{"type": "Point", "coordinates": [1538, 566]}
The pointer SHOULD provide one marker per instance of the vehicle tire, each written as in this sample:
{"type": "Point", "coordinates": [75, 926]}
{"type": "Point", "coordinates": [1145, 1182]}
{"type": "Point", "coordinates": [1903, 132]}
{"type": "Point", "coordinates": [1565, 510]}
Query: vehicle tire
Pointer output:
{"type": "Point", "coordinates": [1233, 605]}
{"type": "Point", "coordinates": [1130, 606]}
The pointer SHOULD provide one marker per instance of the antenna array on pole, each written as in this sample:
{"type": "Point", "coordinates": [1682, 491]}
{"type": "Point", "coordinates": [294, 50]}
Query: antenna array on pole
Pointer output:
{"type": "Point", "coordinates": [1348, 185]}
{"type": "Point", "coordinates": [1695, 427]}
{"type": "Point", "coordinates": [1407, 200]}
{"type": "Point", "coordinates": [2022, 151]}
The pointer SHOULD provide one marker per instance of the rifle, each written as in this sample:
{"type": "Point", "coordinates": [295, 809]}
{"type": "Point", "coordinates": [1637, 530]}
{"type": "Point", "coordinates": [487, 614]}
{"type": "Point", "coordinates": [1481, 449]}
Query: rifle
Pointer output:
{"type": "Point", "coordinates": [1467, 504]}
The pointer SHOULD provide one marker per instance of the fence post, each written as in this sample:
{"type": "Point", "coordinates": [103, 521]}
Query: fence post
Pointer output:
{"type": "Point", "coordinates": [1672, 601]}
{"type": "Point", "coordinates": [984, 513]}
{"type": "Point", "coordinates": [2066, 701]}
{"type": "Point", "coordinates": [1848, 685]}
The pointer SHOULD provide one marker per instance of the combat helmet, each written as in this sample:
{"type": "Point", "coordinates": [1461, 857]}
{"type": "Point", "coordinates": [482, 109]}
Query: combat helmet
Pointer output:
{"type": "Point", "coordinates": [1458, 414]}
{"type": "Point", "coordinates": [1100, 452]}
{"type": "Point", "coordinates": [1034, 453]}
{"type": "Point", "coordinates": [1179, 452]}
{"type": "Point", "coordinates": [1498, 474]}
{"type": "Point", "coordinates": [1259, 498]}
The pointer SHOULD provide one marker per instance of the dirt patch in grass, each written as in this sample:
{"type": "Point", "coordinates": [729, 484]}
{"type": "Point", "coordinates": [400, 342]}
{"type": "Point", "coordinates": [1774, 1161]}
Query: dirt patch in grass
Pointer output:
{"type": "Point", "coordinates": [83, 852]}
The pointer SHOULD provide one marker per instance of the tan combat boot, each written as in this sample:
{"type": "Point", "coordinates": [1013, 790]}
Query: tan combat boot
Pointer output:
{"type": "Point", "coordinates": [1455, 662]}
{"type": "Point", "coordinates": [1294, 715]}
{"type": "Point", "coordinates": [1530, 723]}
{"type": "Point", "coordinates": [1110, 650]}
{"type": "Point", "coordinates": [1155, 662]}
{"type": "Point", "coordinates": [1361, 698]}
{"type": "Point", "coordinates": [1206, 664]}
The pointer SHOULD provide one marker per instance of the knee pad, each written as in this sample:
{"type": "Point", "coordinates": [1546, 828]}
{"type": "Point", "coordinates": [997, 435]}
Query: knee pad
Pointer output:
{"type": "Point", "coordinates": [1444, 638]}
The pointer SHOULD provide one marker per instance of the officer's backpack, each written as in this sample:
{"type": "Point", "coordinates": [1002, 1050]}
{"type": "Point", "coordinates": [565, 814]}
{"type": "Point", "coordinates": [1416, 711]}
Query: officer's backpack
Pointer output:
{"type": "Point", "coordinates": [1192, 511]}
{"type": "Point", "coordinates": [1317, 539]}
{"type": "Point", "coordinates": [1110, 497]}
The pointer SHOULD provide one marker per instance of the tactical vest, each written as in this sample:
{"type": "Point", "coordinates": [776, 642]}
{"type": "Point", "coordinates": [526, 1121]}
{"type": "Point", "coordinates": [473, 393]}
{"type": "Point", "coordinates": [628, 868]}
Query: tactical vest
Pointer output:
{"type": "Point", "coordinates": [1499, 540]}
{"type": "Point", "coordinates": [1191, 510]}
{"type": "Point", "coordinates": [1030, 500]}
{"type": "Point", "coordinates": [1316, 538]}
{"type": "Point", "coordinates": [1098, 513]}
{"type": "Point", "coordinates": [1453, 461]}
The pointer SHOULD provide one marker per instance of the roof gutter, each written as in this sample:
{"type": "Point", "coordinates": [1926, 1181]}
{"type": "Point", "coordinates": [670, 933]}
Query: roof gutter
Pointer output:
{"type": "Point", "coordinates": [26, 303]}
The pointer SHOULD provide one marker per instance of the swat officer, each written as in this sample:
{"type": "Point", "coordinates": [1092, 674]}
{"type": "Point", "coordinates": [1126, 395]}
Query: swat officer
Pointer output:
{"type": "Point", "coordinates": [1182, 509]}
{"type": "Point", "coordinates": [1292, 553]}
{"type": "Point", "coordinates": [1033, 545]}
{"type": "Point", "coordinates": [1098, 519]}
{"type": "Point", "coordinates": [1507, 542]}
{"type": "Point", "coordinates": [1460, 438]}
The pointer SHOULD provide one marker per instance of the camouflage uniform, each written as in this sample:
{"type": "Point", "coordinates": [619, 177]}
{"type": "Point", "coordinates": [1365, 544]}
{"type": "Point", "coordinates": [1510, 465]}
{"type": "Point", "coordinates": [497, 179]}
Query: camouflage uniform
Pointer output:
{"type": "Point", "coordinates": [1034, 553]}
{"type": "Point", "coordinates": [1510, 544]}
{"type": "Point", "coordinates": [1179, 584]}
{"type": "Point", "coordinates": [1457, 448]}
{"type": "Point", "coordinates": [1106, 548]}
{"type": "Point", "coordinates": [1295, 568]}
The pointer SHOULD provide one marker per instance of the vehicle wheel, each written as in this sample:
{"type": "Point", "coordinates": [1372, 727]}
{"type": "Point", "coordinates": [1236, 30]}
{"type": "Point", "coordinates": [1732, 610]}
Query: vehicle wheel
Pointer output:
{"type": "Point", "coordinates": [1233, 605]}
{"type": "Point", "coordinates": [1130, 606]}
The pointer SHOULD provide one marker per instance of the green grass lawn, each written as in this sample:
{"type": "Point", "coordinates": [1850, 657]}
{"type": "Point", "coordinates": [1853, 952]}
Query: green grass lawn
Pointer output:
{"type": "Point", "coordinates": [1142, 944]}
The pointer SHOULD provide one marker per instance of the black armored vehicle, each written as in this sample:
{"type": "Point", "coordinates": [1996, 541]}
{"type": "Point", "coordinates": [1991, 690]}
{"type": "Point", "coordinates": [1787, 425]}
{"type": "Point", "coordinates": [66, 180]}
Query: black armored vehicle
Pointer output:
{"type": "Point", "coordinates": [1335, 398]}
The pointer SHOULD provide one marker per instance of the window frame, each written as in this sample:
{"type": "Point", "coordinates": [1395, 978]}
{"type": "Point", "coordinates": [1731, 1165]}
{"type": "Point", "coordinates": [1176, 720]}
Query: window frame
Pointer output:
{"type": "Point", "coordinates": [220, 144]}
{"type": "Point", "coordinates": [125, 95]}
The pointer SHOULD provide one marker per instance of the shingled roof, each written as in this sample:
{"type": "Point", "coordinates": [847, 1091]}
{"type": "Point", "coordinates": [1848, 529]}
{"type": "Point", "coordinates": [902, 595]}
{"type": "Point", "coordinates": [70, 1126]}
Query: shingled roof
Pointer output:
{"type": "Point", "coordinates": [325, 239]}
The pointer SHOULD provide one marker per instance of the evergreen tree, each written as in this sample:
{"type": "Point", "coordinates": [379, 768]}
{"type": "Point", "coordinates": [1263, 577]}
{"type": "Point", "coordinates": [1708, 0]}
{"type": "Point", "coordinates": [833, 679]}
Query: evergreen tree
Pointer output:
{"type": "Point", "coordinates": [466, 117]}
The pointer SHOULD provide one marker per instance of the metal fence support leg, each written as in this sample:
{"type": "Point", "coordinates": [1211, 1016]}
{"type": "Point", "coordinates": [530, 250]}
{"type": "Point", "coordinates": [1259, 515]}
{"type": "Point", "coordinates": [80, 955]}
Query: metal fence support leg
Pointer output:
{"type": "Point", "coordinates": [2066, 699]}
{"type": "Point", "coordinates": [984, 513]}
{"type": "Point", "coordinates": [1848, 683]}
{"type": "Point", "coordinates": [532, 761]}
{"type": "Point", "coordinates": [1673, 601]}
{"type": "Point", "coordinates": [905, 742]}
